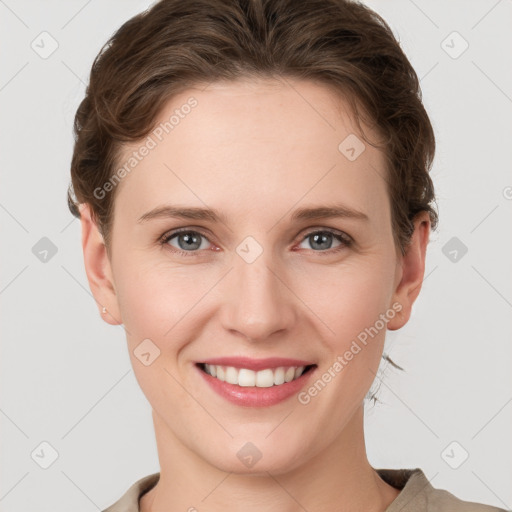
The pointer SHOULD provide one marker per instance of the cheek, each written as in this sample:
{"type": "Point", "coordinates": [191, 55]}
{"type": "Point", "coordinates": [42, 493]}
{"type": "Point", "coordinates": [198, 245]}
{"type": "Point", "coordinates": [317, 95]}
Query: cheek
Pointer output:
{"type": "Point", "coordinates": [157, 306]}
{"type": "Point", "coordinates": [161, 301]}
{"type": "Point", "coordinates": [347, 298]}
{"type": "Point", "coordinates": [352, 305]}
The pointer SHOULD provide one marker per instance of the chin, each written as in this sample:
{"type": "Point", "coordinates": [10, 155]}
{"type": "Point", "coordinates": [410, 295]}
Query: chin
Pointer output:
{"type": "Point", "coordinates": [258, 456]}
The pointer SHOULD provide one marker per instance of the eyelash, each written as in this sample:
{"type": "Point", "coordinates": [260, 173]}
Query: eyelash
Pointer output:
{"type": "Point", "coordinates": [346, 240]}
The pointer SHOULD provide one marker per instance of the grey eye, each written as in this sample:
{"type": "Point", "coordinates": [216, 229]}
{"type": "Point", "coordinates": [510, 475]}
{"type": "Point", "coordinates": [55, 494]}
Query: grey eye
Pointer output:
{"type": "Point", "coordinates": [322, 240]}
{"type": "Point", "coordinates": [188, 240]}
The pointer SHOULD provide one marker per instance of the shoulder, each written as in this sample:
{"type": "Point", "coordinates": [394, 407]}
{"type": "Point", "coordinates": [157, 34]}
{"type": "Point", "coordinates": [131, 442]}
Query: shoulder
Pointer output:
{"type": "Point", "coordinates": [419, 495]}
{"type": "Point", "coordinates": [129, 501]}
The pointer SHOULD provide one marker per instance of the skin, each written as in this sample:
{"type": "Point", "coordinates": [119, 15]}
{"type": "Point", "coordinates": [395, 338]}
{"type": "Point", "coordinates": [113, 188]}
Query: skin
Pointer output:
{"type": "Point", "coordinates": [256, 151]}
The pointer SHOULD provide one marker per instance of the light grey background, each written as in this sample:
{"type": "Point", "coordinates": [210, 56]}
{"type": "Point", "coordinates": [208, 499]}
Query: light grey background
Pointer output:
{"type": "Point", "coordinates": [65, 375]}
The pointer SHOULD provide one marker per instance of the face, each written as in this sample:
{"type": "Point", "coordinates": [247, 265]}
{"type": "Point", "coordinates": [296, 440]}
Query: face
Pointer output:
{"type": "Point", "coordinates": [273, 275]}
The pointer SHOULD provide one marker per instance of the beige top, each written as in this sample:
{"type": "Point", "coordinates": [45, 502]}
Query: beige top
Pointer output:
{"type": "Point", "coordinates": [417, 494]}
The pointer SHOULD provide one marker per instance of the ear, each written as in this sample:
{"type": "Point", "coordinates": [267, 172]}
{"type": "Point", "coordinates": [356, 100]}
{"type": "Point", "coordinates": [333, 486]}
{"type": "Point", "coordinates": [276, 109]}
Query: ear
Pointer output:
{"type": "Point", "coordinates": [98, 268]}
{"type": "Point", "coordinates": [410, 271]}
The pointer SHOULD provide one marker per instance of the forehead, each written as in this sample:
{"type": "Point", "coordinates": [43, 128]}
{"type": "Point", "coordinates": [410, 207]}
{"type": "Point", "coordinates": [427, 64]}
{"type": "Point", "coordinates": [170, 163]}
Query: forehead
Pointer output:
{"type": "Point", "coordinates": [252, 144]}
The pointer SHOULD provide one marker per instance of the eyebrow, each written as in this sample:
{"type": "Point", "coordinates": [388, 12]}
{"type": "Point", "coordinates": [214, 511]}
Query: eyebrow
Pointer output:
{"type": "Point", "coordinates": [194, 213]}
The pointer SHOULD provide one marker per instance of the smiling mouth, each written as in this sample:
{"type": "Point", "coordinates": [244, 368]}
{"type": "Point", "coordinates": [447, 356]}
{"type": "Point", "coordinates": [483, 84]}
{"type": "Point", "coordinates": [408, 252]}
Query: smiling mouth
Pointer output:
{"type": "Point", "coordinates": [265, 378]}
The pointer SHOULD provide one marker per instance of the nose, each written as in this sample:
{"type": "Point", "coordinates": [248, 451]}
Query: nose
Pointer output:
{"type": "Point", "coordinates": [258, 302]}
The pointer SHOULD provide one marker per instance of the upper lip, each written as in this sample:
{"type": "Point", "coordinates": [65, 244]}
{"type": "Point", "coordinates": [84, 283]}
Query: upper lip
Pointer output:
{"type": "Point", "coordinates": [256, 364]}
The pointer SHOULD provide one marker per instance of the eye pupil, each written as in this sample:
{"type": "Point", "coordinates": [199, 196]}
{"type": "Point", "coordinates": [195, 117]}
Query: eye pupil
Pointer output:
{"type": "Point", "coordinates": [323, 239]}
{"type": "Point", "coordinates": [191, 241]}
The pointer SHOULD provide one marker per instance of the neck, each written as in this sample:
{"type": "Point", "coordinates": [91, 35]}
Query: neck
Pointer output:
{"type": "Point", "coordinates": [338, 478]}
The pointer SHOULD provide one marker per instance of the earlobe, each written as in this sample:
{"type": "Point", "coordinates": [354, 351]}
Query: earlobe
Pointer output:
{"type": "Point", "coordinates": [410, 271]}
{"type": "Point", "coordinates": [98, 268]}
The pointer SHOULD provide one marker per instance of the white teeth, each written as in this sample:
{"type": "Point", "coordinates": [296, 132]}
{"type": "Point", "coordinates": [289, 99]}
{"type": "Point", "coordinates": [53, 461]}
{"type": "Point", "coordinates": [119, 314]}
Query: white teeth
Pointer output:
{"type": "Point", "coordinates": [231, 376]}
{"type": "Point", "coordinates": [264, 378]}
{"type": "Point", "coordinates": [279, 376]}
{"type": "Point", "coordinates": [244, 377]}
{"type": "Point", "coordinates": [249, 378]}
{"type": "Point", "coordinates": [289, 374]}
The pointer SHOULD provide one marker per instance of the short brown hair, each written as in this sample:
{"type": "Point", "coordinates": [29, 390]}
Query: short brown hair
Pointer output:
{"type": "Point", "coordinates": [175, 45]}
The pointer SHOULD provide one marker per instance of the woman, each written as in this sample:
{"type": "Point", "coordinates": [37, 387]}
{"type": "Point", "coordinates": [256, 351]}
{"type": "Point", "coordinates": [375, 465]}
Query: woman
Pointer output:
{"type": "Point", "coordinates": [253, 188]}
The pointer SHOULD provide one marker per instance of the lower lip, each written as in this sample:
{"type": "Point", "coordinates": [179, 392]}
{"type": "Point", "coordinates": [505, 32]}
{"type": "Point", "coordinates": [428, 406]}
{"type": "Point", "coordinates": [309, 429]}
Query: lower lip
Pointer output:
{"type": "Point", "coordinates": [253, 396]}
